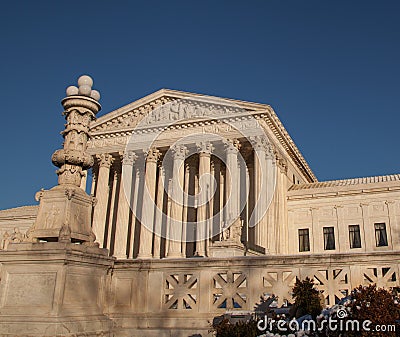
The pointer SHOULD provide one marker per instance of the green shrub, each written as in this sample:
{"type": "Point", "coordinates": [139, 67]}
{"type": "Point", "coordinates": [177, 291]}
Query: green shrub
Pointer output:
{"type": "Point", "coordinates": [239, 329]}
{"type": "Point", "coordinates": [306, 299]}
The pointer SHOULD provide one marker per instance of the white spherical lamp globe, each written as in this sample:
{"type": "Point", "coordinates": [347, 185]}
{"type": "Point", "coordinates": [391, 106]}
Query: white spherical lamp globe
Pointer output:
{"type": "Point", "coordinates": [95, 95]}
{"type": "Point", "coordinates": [85, 90]}
{"type": "Point", "coordinates": [72, 90]}
{"type": "Point", "coordinates": [85, 80]}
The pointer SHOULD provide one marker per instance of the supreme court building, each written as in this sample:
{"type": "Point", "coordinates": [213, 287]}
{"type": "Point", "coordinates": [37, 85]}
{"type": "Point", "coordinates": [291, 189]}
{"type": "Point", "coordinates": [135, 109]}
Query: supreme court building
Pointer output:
{"type": "Point", "coordinates": [204, 204]}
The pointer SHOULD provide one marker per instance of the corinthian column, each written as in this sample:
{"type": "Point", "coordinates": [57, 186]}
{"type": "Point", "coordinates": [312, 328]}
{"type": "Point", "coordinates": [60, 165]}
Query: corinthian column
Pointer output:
{"type": "Point", "coordinates": [176, 222]}
{"type": "Point", "coordinates": [121, 233]}
{"type": "Point", "coordinates": [149, 196]}
{"type": "Point", "coordinates": [205, 149]}
{"type": "Point", "coordinates": [158, 221]}
{"type": "Point", "coordinates": [102, 192]}
{"type": "Point", "coordinates": [260, 191]}
{"type": "Point", "coordinates": [232, 181]}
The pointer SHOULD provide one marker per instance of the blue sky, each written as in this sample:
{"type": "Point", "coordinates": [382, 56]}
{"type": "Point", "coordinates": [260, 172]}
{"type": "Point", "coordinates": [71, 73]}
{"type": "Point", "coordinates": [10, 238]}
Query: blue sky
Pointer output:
{"type": "Point", "coordinates": [330, 69]}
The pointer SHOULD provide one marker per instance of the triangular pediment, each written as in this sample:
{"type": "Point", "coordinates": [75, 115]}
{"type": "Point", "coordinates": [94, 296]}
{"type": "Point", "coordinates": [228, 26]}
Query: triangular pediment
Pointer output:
{"type": "Point", "coordinates": [166, 106]}
{"type": "Point", "coordinates": [168, 109]}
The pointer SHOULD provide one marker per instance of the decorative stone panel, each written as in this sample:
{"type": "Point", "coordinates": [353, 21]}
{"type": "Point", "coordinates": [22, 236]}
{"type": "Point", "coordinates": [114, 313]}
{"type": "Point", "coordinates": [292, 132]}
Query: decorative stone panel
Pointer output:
{"type": "Point", "coordinates": [181, 291]}
{"type": "Point", "coordinates": [280, 283]}
{"type": "Point", "coordinates": [383, 277]}
{"type": "Point", "coordinates": [333, 283]}
{"type": "Point", "coordinates": [230, 290]}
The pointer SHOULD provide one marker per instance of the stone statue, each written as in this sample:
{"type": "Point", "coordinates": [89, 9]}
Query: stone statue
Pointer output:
{"type": "Point", "coordinates": [225, 233]}
{"type": "Point", "coordinates": [236, 230]}
{"type": "Point", "coordinates": [5, 240]}
{"type": "Point", "coordinates": [17, 236]}
{"type": "Point", "coordinates": [233, 233]}
{"type": "Point", "coordinates": [65, 234]}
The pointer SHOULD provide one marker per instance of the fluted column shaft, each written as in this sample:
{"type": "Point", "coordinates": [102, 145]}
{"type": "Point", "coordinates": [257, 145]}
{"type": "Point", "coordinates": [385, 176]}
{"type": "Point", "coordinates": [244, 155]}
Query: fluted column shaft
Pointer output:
{"type": "Point", "coordinates": [135, 206]}
{"type": "Point", "coordinates": [232, 181]}
{"type": "Point", "coordinates": [116, 171]}
{"type": "Point", "coordinates": [260, 191]}
{"type": "Point", "coordinates": [159, 213]}
{"type": "Point", "coordinates": [205, 149]}
{"type": "Point", "coordinates": [121, 233]}
{"type": "Point", "coordinates": [279, 233]}
{"type": "Point", "coordinates": [176, 221]}
{"type": "Point", "coordinates": [102, 193]}
{"type": "Point", "coordinates": [149, 195]}
{"type": "Point", "coordinates": [185, 210]}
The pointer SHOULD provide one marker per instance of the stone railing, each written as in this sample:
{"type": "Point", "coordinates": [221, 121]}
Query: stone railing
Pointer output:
{"type": "Point", "coordinates": [184, 295]}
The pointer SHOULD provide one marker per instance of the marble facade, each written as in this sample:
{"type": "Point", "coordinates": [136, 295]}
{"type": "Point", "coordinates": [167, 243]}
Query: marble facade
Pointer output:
{"type": "Point", "coordinates": [195, 205]}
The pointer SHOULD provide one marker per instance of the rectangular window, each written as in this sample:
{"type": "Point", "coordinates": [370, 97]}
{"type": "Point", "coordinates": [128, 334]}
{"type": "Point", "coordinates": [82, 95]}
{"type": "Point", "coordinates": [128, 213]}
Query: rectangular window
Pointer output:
{"type": "Point", "coordinates": [329, 238]}
{"type": "Point", "coordinates": [355, 237]}
{"type": "Point", "coordinates": [304, 240]}
{"type": "Point", "coordinates": [380, 235]}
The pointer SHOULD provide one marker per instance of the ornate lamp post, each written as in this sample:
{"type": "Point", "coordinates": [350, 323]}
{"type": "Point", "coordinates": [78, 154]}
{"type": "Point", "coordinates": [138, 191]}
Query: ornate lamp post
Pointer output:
{"type": "Point", "coordinates": [65, 210]}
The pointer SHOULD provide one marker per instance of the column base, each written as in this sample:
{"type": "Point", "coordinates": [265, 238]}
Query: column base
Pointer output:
{"type": "Point", "coordinates": [175, 255]}
{"type": "Point", "coordinates": [142, 256]}
{"type": "Point", "coordinates": [120, 257]}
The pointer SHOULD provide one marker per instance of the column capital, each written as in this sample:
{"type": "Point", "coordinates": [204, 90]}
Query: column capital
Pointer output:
{"type": "Point", "coordinates": [281, 162]}
{"type": "Point", "coordinates": [152, 155]}
{"type": "Point", "coordinates": [105, 160]}
{"type": "Point", "coordinates": [259, 143]}
{"type": "Point", "coordinates": [128, 157]}
{"type": "Point", "coordinates": [205, 148]}
{"type": "Point", "coordinates": [179, 152]}
{"type": "Point", "coordinates": [232, 145]}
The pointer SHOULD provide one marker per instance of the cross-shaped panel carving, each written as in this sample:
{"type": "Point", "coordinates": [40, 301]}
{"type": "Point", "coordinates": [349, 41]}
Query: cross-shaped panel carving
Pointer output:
{"type": "Point", "coordinates": [230, 290]}
{"type": "Point", "coordinates": [333, 283]}
{"type": "Point", "coordinates": [383, 277]}
{"type": "Point", "coordinates": [280, 283]}
{"type": "Point", "coordinates": [181, 291]}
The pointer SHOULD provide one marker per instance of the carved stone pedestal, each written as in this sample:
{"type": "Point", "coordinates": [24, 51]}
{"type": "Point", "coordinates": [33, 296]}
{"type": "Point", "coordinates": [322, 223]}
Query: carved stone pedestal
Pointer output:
{"type": "Point", "coordinates": [64, 210]}
{"type": "Point", "coordinates": [226, 249]}
{"type": "Point", "coordinates": [54, 289]}
{"type": "Point", "coordinates": [231, 244]}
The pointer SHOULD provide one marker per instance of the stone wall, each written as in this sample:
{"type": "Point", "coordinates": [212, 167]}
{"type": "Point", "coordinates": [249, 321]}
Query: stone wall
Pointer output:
{"type": "Point", "coordinates": [181, 297]}
{"type": "Point", "coordinates": [14, 223]}
{"type": "Point", "coordinates": [339, 204]}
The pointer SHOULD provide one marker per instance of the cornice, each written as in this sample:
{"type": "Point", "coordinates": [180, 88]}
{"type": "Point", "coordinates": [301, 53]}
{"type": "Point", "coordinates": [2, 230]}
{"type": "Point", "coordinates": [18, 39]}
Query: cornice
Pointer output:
{"type": "Point", "coordinates": [331, 193]}
{"type": "Point", "coordinates": [343, 183]}
{"type": "Point", "coordinates": [22, 212]}
{"type": "Point", "coordinates": [272, 261]}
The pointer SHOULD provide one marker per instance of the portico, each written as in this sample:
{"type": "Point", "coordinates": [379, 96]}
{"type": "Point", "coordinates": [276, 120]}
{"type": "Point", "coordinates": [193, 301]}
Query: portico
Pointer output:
{"type": "Point", "coordinates": [197, 165]}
